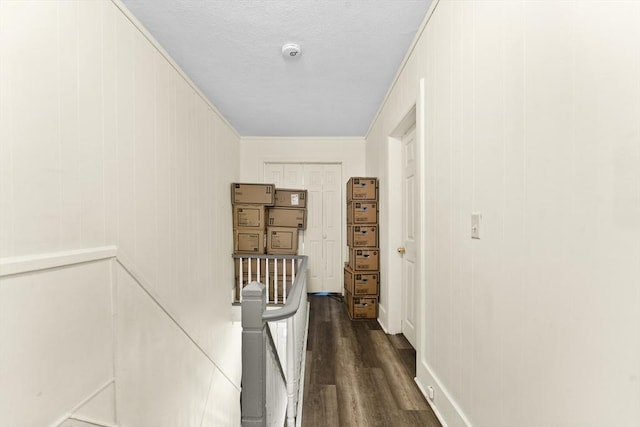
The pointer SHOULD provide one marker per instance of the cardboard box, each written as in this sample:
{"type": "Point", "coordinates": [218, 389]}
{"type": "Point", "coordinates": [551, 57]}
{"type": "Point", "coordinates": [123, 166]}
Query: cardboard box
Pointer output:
{"type": "Point", "coordinates": [364, 259]}
{"type": "Point", "coordinates": [284, 269]}
{"type": "Point", "coordinates": [249, 216]}
{"type": "Point", "coordinates": [360, 307]}
{"type": "Point", "coordinates": [282, 240]}
{"type": "Point", "coordinates": [362, 189]}
{"type": "Point", "coordinates": [255, 265]}
{"type": "Point", "coordinates": [253, 194]}
{"type": "Point", "coordinates": [248, 241]}
{"type": "Point", "coordinates": [287, 217]}
{"type": "Point", "coordinates": [362, 213]}
{"type": "Point", "coordinates": [286, 198]}
{"type": "Point", "coordinates": [239, 286]}
{"type": "Point", "coordinates": [361, 282]}
{"type": "Point", "coordinates": [362, 236]}
{"type": "Point", "coordinates": [280, 297]}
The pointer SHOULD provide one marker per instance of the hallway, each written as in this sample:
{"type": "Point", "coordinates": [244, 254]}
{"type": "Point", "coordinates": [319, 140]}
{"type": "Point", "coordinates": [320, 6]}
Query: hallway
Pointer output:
{"type": "Point", "coordinates": [356, 375]}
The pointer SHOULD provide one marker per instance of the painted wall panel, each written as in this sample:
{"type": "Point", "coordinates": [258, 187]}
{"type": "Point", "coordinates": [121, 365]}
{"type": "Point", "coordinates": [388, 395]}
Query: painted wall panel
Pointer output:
{"type": "Point", "coordinates": [35, 160]}
{"type": "Point", "coordinates": [223, 405]}
{"type": "Point", "coordinates": [91, 128]}
{"type": "Point", "coordinates": [103, 141]}
{"type": "Point", "coordinates": [101, 408]}
{"type": "Point", "coordinates": [56, 329]}
{"type": "Point", "coordinates": [162, 379]}
{"type": "Point", "coordinates": [530, 120]}
{"type": "Point", "coordinates": [6, 138]}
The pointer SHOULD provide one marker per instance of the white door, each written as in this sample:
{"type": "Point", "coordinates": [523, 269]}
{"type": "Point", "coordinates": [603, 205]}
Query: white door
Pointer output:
{"type": "Point", "coordinates": [284, 175]}
{"type": "Point", "coordinates": [408, 249]}
{"type": "Point", "coordinates": [322, 240]}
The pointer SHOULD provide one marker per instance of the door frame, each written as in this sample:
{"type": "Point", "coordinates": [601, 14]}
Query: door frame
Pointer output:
{"type": "Point", "coordinates": [394, 306]}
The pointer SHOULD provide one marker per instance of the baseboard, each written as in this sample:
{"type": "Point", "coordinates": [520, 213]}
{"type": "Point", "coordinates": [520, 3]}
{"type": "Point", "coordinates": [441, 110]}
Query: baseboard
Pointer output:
{"type": "Point", "coordinates": [90, 422]}
{"type": "Point", "coordinates": [69, 415]}
{"type": "Point", "coordinates": [443, 405]}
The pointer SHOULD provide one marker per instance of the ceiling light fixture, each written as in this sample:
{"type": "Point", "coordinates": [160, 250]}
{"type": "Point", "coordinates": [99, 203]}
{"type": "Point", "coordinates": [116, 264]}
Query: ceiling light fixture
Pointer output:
{"type": "Point", "coordinates": [291, 50]}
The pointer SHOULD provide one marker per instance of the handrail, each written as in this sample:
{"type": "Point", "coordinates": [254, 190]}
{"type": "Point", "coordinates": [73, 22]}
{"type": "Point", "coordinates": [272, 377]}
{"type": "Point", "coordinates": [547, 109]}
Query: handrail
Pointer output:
{"type": "Point", "coordinates": [257, 339]}
{"type": "Point", "coordinates": [265, 256]}
{"type": "Point", "coordinates": [293, 300]}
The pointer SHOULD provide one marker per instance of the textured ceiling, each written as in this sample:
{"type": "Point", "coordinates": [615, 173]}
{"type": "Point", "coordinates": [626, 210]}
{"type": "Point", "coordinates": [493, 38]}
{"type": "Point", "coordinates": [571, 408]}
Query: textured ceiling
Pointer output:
{"type": "Point", "coordinates": [231, 49]}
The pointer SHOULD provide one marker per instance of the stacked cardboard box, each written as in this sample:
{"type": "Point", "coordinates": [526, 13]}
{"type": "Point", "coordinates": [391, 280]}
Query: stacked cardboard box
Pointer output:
{"type": "Point", "coordinates": [266, 220]}
{"type": "Point", "coordinates": [362, 272]}
{"type": "Point", "coordinates": [250, 203]}
{"type": "Point", "coordinates": [285, 218]}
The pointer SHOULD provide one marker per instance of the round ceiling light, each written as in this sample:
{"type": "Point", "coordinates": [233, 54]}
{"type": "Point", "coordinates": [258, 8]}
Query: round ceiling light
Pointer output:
{"type": "Point", "coordinates": [291, 50]}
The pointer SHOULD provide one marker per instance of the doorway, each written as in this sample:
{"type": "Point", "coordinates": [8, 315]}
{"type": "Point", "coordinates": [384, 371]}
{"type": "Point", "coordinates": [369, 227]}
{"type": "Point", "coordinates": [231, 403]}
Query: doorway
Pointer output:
{"type": "Point", "coordinates": [404, 239]}
{"type": "Point", "coordinates": [408, 250]}
{"type": "Point", "coordinates": [322, 240]}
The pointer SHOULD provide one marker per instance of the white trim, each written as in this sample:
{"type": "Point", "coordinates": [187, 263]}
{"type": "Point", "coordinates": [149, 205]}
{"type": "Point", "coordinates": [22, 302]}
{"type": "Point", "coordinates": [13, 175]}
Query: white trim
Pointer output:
{"type": "Point", "coordinates": [422, 226]}
{"type": "Point", "coordinates": [301, 138]}
{"type": "Point", "coordinates": [414, 43]}
{"type": "Point", "coordinates": [434, 408]}
{"type": "Point", "coordinates": [444, 406]}
{"type": "Point", "coordinates": [25, 264]}
{"type": "Point", "coordinates": [69, 414]}
{"type": "Point", "coordinates": [91, 421]}
{"type": "Point", "coordinates": [382, 315]}
{"type": "Point", "coordinates": [127, 14]}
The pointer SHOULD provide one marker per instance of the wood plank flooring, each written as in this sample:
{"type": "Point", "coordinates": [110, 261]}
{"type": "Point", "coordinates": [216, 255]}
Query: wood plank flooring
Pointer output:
{"type": "Point", "coordinates": [356, 375]}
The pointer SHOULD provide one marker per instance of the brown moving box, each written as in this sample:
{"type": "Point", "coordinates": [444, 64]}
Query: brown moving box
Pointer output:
{"type": "Point", "coordinates": [252, 216]}
{"type": "Point", "coordinates": [361, 282]}
{"type": "Point", "coordinates": [362, 189]}
{"type": "Point", "coordinates": [362, 213]}
{"type": "Point", "coordinates": [282, 240]}
{"type": "Point", "coordinates": [248, 241]}
{"type": "Point", "coordinates": [286, 266]}
{"type": "Point", "coordinates": [287, 217]}
{"type": "Point", "coordinates": [262, 280]}
{"type": "Point", "coordinates": [362, 235]}
{"type": "Point", "coordinates": [360, 307]}
{"type": "Point", "coordinates": [364, 259]}
{"type": "Point", "coordinates": [280, 296]}
{"type": "Point", "coordinates": [254, 267]}
{"type": "Point", "coordinates": [287, 198]}
{"type": "Point", "coordinates": [253, 194]}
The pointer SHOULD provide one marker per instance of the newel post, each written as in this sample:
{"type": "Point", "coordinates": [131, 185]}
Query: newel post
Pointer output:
{"type": "Point", "coordinates": [254, 365]}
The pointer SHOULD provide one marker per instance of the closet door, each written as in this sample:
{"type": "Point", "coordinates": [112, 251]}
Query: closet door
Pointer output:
{"type": "Point", "coordinates": [322, 240]}
{"type": "Point", "coordinates": [289, 175]}
{"type": "Point", "coordinates": [324, 227]}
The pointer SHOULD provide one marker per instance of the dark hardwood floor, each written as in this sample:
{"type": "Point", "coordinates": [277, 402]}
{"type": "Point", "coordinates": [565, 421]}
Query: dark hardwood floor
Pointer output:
{"type": "Point", "coordinates": [356, 375]}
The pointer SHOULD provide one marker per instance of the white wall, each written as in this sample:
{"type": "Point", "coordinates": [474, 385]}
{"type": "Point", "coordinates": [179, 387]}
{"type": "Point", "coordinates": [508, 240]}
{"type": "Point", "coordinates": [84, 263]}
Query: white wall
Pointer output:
{"type": "Point", "coordinates": [104, 142]}
{"type": "Point", "coordinates": [531, 118]}
{"type": "Point", "coordinates": [255, 152]}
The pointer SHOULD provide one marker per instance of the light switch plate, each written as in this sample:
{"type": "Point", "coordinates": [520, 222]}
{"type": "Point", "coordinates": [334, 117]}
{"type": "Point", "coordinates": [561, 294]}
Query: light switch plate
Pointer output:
{"type": "Point", "coordinates": [476, 218]}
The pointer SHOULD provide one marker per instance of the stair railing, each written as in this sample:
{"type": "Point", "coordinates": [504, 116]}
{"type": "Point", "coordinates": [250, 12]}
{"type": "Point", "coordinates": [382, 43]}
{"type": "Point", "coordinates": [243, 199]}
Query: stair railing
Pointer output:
{"type": "Point", "coordinates": [271, 383]}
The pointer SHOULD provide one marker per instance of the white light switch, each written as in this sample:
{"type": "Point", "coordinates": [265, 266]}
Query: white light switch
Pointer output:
{"type": "Point", "coordinates": [475, 225]}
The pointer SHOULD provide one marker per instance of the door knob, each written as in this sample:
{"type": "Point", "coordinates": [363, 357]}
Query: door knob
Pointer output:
{"type": "Point", "coordinates": [401, 250]}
